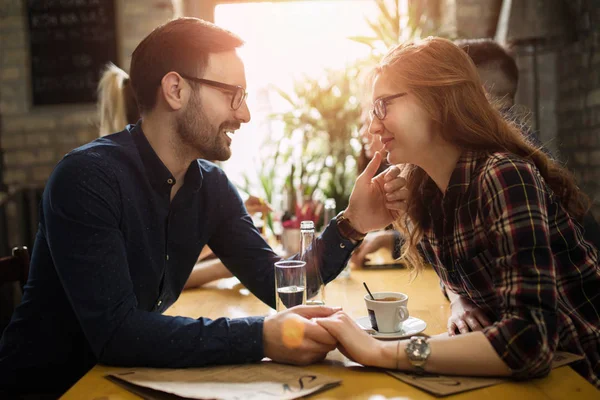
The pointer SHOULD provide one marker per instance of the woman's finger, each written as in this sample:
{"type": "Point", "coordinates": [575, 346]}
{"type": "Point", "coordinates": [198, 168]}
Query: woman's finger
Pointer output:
{"type": "Point", "coordinates": [392, 173]}
{"type": "Point", "coordinates": [316, 347]}
{"type": "Point", "coordinates": [482, 318]}
{"type": "Point", "coordinates": [452, 329]}
{"type": "Point", "coordinates": [394, 185]}
{"type": "Point", "coordinates": [462, 326]}
{"type": "Point", "coordinates": [330, 324]}
{"type": "Point", "coordinates": [396, 195]}
{"type": "Point", "coordinates": [396, 205]}
{"type": "Point", "coordinates": [318, 334]}
{"type": "Point", "coordinates": [473, 323]}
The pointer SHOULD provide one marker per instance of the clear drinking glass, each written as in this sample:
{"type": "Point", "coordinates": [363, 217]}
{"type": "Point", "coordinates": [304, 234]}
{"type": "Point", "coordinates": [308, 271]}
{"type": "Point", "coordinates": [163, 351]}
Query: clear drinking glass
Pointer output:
{"type": "Point", "coordinates": [290, 284]}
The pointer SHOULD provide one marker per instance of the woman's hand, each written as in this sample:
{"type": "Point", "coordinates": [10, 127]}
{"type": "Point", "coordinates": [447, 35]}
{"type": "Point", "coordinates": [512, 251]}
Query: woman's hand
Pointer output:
{"type": "Point", "coordinates": [353, 342]}
{"type": "Point", "coordinates": [376, 201]}
{"type": "Point", "coordinates": [466, 317]}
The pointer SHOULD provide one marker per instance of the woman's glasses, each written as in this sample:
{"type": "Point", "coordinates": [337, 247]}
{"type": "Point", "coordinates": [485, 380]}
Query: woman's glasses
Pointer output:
{"type": "Point", "coordinates": [379, 107]}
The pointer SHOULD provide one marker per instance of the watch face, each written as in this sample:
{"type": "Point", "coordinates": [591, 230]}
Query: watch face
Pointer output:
{"type": "Point", "coordinates": [418, 349]}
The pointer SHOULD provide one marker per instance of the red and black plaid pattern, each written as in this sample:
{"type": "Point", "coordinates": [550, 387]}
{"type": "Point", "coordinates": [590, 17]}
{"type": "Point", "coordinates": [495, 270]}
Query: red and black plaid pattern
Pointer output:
{"type": "Point", "coordinates": [500, 237]}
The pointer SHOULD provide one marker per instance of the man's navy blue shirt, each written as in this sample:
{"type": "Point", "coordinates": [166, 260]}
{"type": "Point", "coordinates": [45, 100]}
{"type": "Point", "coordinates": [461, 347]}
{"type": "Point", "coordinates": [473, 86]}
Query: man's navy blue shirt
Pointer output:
{"type": "Point", "coordinates": [113, 252]}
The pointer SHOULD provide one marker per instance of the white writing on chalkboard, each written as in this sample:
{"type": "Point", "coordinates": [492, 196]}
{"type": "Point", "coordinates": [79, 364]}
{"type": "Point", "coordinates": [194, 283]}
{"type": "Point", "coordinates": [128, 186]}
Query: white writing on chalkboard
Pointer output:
{"type": "Point", "coordinates": [70, 41]}
{"type": "Point", "coordinates": [73, 81]}
{"type": "Point", "coordinates": [67, 19]}
{"type": "Point", "coordinates": [52, 4]}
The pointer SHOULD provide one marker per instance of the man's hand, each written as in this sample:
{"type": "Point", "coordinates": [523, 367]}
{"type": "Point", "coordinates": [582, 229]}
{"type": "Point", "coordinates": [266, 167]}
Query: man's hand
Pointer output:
{"type": "Point", "coordinates": [354, 343]}
{"type": "Point", "coordinates": [373, 242]}
{"type": "Point", "coordinates": [291, 337]}
{"type": "Point", "coordinates": [376, 201]}
{"type": "Point", "coordinates": [466, 317]}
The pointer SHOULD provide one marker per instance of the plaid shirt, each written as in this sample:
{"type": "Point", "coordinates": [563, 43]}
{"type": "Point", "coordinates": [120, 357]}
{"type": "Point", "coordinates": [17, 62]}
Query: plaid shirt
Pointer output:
{"type": "Point", "coordinates": [500, 237]}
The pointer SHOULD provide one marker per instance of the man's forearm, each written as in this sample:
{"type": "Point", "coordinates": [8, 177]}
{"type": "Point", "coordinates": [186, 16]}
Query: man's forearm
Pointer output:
{"type": "Point", "coordinates": [158, 341]}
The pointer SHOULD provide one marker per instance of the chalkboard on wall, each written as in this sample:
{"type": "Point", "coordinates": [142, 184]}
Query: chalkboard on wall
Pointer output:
{"type": "Point", "coordinates": [70, 43]}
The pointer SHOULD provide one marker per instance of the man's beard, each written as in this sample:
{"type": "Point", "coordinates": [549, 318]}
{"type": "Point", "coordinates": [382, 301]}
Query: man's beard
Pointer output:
{"type": "Point", "coordinates": [198, 138]}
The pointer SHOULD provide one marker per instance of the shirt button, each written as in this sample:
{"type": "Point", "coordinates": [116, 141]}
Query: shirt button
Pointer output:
{"type": "Point", "coordinates": [342, 246]}
{"type": "Point", "coordinates": [158, 304]}
{"type": "Point", "coordinates": [170, 181]}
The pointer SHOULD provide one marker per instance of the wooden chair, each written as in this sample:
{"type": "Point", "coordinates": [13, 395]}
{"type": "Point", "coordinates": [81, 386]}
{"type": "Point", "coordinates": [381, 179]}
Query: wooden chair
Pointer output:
{"type": "Point", "coordinates": [15, 268]}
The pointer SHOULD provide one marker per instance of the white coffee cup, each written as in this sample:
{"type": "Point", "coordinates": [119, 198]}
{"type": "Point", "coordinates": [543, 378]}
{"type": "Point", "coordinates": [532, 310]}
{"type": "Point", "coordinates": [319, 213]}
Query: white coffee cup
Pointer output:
{"type": "Point", "coordinates": [387, 316]}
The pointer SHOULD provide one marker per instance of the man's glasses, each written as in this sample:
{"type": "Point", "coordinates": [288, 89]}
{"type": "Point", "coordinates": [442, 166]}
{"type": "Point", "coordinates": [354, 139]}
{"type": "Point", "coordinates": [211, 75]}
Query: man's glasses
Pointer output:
{"type": "Point", "coordinates": [379, 107]}
{"type": "Point", "coordinates": [239, 94]}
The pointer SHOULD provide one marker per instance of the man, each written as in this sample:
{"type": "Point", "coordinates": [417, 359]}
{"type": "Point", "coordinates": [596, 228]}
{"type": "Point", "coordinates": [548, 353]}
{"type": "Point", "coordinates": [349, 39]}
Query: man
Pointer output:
{"type": "Point", "coordinates": [124, 218]}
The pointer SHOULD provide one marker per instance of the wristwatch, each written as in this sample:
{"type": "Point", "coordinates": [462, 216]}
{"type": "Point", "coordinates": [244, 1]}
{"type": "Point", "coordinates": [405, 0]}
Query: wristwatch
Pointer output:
{"type": "Point", "coordinates": [417, 350]}
{"type": "Point", "coordinates": [346, 229]}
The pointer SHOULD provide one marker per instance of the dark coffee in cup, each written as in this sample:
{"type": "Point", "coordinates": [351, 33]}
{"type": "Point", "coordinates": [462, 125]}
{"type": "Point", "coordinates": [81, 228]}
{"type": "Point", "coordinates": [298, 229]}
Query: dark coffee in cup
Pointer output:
{"type": "Point", "coordinates": [388, 299]}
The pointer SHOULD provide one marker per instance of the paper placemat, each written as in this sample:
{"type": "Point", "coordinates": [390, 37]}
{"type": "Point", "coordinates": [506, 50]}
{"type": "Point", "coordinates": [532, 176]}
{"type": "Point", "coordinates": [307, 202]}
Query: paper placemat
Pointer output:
{"type": "Point", "coordinates": [444, 385]}
{"type": "Point", "coordinates": [265, 380]}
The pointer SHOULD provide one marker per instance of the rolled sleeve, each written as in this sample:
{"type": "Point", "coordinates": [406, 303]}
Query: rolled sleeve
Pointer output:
{"type": "Point", "coordinates": [514, 207]}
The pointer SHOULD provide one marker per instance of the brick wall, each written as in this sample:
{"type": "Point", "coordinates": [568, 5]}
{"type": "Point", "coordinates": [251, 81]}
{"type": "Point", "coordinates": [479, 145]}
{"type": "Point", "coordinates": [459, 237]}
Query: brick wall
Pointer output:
{"type": "Point", "coordinates": [578, 105]}
{"type": "Point", "coordinates": [34, 139]}
{"type": "Point", "coordinates": [470, 18]}
{"type": "Point", "coordinates": [569, 84]}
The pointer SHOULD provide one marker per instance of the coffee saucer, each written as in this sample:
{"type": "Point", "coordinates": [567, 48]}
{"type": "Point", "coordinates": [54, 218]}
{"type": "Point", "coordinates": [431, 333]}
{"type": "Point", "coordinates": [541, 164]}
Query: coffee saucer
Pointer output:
{"type": "Point", "coordinates": [410, 327]}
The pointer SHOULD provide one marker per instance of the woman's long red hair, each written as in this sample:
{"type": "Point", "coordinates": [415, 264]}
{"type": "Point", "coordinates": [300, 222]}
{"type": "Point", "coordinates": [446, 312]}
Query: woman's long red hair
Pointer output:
{"type": "Point", "coordinates": [445, 82]}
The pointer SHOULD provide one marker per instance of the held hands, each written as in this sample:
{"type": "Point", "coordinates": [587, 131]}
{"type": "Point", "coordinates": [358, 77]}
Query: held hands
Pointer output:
{"type": "Point", "coordinates": [354, 343]}
{"type": "Point", "coordinates": [376, 201]}
{"type": "Point", "coordinates": [466, 317]}
{"type": "Point", "coordinates": [291, 337]}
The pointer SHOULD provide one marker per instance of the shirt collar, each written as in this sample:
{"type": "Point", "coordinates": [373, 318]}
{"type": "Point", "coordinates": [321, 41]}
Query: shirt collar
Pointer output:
{"type": "Point", "coordinates": [463, 172]}
{"type": "Point", "coordinates": [158, 174]}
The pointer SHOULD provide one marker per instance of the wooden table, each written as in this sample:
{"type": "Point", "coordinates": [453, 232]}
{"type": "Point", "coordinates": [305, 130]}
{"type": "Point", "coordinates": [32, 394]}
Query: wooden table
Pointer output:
{"type": "Point", "coordinates": [228, 298]}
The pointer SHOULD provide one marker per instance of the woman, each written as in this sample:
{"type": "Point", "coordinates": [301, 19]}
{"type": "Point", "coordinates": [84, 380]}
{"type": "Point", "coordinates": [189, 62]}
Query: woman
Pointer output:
{"type": "Point", "coordinates": [116, 102]}
{"type": "Point", "coordinates": [497, 219]}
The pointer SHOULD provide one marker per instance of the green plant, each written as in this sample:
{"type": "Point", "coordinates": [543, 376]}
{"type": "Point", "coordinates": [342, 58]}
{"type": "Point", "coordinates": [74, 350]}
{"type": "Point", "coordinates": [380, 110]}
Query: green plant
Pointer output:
{"type": "Point", "coordinates": [317, 154]}
{"type": "Point", "coordinates": [321, 132]}
{"type": "Point", "coordinates": [394, 24]}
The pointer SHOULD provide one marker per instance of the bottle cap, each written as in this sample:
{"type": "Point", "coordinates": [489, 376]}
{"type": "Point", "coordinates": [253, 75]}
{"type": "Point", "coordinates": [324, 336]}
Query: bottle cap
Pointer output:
{"type": "Point", "coordinates": [306, 225]}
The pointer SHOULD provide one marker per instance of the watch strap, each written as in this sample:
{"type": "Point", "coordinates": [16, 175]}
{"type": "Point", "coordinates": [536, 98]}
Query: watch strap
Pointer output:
{"type": "Point", "coordinates": [346, 229]}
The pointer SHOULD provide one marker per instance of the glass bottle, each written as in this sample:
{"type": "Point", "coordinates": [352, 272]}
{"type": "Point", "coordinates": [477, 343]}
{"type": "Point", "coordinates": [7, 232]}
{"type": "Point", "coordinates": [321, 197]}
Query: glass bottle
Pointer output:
{"type": "Point", "coordinates": [315, 288]}
{"type": "Point", "coordinates": [328, 212]}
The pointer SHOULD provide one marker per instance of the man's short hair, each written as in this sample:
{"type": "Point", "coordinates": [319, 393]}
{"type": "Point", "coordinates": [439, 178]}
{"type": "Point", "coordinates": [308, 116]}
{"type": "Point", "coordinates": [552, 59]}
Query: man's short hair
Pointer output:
{"type": "Point", "coordinates": [487, 52]}
{"type": "Point", "coordinates": [180, 45]}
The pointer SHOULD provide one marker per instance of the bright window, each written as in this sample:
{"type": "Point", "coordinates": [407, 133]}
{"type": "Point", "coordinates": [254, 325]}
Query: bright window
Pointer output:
{"type": "Point", "coordinates": [285, 41]}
